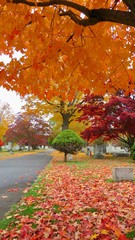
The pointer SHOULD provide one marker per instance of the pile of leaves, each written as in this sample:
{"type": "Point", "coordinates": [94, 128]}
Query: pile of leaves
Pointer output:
{"type": "Point", "coordinates": [77, 200]}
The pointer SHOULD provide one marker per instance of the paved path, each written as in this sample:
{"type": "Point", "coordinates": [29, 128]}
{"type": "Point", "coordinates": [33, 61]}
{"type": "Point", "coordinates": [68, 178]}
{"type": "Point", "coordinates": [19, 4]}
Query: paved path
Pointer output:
{"type": "Point", "coordinates": [16, 174]}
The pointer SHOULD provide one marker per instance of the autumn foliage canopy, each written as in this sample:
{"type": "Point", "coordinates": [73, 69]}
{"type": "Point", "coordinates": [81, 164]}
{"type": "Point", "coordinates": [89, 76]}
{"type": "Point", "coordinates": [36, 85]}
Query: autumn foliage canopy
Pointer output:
{"type": "Point", "coordinates": [114, 119]}
{"type": "Point", "coordinates": [1, 143]}
{"type": "Point", "coordinates": [28, 131]}
{"type": "Point", "coordinates": [59, 47]}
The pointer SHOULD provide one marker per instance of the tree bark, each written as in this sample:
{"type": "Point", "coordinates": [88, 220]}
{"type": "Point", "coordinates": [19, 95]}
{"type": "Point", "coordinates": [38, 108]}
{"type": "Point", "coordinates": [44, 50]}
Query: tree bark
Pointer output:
{"type": "Point", "coordinates": [65, 157]}
{"type": "Point", "coordinates": [130, 142]}
{"type": "Point", "coordinates": [93, 16]}
{"type": "Point", "coordinates": [28, 147]}
{"type": "Point", "coordinates": [65, 124]}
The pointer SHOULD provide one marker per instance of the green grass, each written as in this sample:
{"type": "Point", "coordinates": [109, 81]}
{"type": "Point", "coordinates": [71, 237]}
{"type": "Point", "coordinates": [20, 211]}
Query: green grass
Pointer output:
{"type": "Point", "coordinates": [79, 164]}
{"type": "Point", "coordinates": [110, 180]}
{"type": "Point", "coordinates": [56, 208]}
{"type": "Point", "coordinates": [92, 210]}
{"type": "Point", "coordinates": [23, 210]}
{"type": "Point", "coordinates": [9, 220]}
{"type": "Point", "coordinates": [35, 191]}
{"type": "Point", "coordinates": [32, 192]}
{"type": "Point", "coordinates": [131, 234]}
{"type": "Point", "coordinates": [6, 222]}
{"type": "Point", "coordinates": [27, 210]}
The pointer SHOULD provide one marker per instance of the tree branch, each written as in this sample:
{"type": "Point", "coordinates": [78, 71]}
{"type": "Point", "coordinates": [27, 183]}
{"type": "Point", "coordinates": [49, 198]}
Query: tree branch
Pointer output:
{"type": "Point", "coordinates": [130, 4]}
{"type": "Point", "coordinates": [110, 15]}
{"type": "Point", "coordinates": [67, 3]}
{"type": "Point", "coordinates": [93, 16]}
{"type": "Point", "coordinates": [77, 19]}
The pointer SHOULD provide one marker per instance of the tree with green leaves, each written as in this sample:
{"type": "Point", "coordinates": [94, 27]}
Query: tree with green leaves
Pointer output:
{"type": "Point", "coordinates": [67, 141]}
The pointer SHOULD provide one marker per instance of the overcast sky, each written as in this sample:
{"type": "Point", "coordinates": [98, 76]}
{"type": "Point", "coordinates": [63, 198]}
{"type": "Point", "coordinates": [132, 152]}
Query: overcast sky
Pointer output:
{"type": "Point", "coordinates": [11, 98]}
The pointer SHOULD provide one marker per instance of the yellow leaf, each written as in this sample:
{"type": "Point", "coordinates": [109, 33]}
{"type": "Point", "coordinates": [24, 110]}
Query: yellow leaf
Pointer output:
{"type": "Point", "coordinates": [104, 231]}
{"type": "Point", "coordinates": [94, 236]}
{"type": "Point", "coordinates": [117, 231]}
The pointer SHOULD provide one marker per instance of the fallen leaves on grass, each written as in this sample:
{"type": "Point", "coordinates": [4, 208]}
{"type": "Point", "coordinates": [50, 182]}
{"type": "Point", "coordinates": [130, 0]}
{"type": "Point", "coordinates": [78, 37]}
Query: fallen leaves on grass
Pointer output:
{"type": "Point", "coordinates": [74, 201]}
{"type": "Point", "coordinates": [6, 155]}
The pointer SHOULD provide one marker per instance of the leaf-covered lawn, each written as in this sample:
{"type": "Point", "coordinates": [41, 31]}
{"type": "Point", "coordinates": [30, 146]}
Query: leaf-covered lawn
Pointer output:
{"type": "Point", "coordinates": [76, 201]}
{"type": "Point", "coordinates": [6, 155]}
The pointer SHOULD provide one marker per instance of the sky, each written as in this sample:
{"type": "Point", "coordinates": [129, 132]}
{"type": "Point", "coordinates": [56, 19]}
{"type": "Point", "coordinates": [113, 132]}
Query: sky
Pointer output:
{"type": "Point", "coordinates": [12, 99]}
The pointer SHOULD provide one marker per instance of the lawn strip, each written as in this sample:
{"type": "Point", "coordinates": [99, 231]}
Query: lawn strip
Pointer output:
{"type": "Point", "coordinates": [74, 200]}
{"type": "Point", "coordinates": [7, 155]}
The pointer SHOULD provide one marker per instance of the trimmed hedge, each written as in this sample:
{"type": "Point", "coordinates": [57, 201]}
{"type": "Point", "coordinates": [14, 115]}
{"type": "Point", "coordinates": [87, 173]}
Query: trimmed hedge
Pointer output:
{"type": "Point", "coordinates": [68, 141]}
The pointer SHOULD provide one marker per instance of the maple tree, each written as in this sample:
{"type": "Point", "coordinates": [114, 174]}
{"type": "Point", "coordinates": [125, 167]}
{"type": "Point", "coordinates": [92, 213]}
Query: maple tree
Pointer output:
{"type": "Point", "coordinates": [6, 118]}
{"type": "Point", "coordinates": [133, 152]}
{"type": "Point", "coordinates": [61, 113]}
{"type": "Point", "coordinates": [114, 119]}
{"type": "Point", "coordinates": [67, 141]}
{"type": "Point", "coordinates": [93, 16]}
{"type": "Point", "coordinates": [67, 46]}
{"type": "Point", "coordinates": [28, 130]}
{"type": "Point", "coordinates": [1, 144]}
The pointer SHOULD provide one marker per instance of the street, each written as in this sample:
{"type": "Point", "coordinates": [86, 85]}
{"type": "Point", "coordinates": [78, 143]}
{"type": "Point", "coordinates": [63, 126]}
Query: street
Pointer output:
{"type": "Point", "coordinates": [16, 174]}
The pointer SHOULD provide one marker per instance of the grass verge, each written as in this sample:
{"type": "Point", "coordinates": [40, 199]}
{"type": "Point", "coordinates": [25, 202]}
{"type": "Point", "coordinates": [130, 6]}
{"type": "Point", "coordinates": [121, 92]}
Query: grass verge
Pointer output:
{"type": "Point", "coordinates": [73, 200]}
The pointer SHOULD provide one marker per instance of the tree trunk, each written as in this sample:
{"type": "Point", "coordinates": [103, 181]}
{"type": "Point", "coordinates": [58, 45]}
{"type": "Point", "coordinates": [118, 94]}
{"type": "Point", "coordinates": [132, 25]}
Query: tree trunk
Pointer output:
{"type": "Point", "coordinates": [28, 147]}
{"type": "Point", "coordinates": [130, 143]}
{"type": "Point", "coordinates": [65, 124]}
{"type": "Point", "coordinates": [65, 157]}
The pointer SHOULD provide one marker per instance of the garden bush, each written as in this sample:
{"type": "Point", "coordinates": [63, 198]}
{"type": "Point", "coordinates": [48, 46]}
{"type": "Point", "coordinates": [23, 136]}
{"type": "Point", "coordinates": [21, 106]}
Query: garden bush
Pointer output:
{"type": "Point", "coordinates": [68, 141]}
{"type": "Point", "coordinates": [133, 152]}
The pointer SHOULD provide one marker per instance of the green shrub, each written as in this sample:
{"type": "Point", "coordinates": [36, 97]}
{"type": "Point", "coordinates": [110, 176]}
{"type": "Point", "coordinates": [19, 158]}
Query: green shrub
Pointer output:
{"type": "Point", "coordinates": [133, 155]}
{"type": "Point", "coordinates": [68, 141]}
{"type": "Point", "coordinates": [133, 152]}
{"type": "Point", "coordinates": [98, 156]}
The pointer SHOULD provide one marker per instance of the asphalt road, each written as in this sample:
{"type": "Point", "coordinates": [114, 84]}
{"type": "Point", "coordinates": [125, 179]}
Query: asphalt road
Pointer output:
{"type": "Point", "coordinates": [16, 174]}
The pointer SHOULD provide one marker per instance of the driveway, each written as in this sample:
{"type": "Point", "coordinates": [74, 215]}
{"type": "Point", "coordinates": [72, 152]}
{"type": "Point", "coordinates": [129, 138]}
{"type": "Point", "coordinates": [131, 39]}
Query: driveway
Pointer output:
{"type": "Point", "coordinates": [16, 174]}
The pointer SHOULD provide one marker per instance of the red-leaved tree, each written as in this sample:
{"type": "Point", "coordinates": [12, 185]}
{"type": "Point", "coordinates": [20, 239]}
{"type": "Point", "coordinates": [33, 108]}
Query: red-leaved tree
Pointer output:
{"type": "Point", "coordinates": [28, 131]}
{"type": "Point", "coordinates": [1, 144]}
{"type": "Point", "coordinates": [114, 119]}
